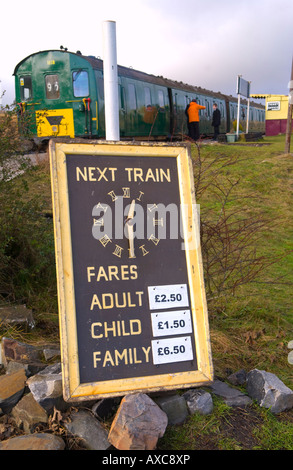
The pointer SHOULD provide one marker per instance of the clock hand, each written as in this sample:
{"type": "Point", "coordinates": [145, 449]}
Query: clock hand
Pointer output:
{"type": "Point", "coordinates": [130, 229]}
{"type": "Point", "coordinates": [131, 211]}
{"type": "Point", "coordinates": [131, 241]}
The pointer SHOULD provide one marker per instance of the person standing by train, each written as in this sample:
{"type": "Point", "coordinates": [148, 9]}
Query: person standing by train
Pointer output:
{"type": "Point", "coordinates": [216, 121]}
{"type": "Point", "coordinates": [192, 112]}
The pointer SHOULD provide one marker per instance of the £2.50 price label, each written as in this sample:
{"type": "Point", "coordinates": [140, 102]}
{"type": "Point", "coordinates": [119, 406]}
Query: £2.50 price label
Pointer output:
{"type": "Point", "coordinates": [172, 350]}
{"type": "Point", "coordinates": [177, 322]}
{"type": "Point", "coordinates": [168, 296]}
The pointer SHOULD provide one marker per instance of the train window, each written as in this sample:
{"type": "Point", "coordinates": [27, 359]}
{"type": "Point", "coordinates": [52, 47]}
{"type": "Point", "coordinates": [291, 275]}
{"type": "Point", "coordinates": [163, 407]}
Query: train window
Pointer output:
{"type": "Point", "coordinates": [121, 97]}
{"type": "Point", "coordinates": [161, 99]}
{"type": "Point", "coordinates": [25, 87]}
{"type": "Point", "coordinates": [147, 96]}
{"type": "Point", "coordinates": [207, 111]}
{"type": "Point", "coordinates": [80, 81]}
{"type": "Point", "coordinates": [131, 96]}
{"type": "Point", "coordinates": [222, 110]}
{"type": "Point", "coordinates": [52, 87]}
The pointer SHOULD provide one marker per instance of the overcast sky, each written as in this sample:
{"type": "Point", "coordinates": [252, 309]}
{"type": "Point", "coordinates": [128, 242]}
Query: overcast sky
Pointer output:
{"type": "Point", "coordinates": [201, 42]}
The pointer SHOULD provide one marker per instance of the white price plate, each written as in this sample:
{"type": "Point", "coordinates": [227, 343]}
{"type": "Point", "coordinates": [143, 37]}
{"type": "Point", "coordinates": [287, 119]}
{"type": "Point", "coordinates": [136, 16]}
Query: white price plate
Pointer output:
{"type": "Point", "coordinates": [171, 323]}
{"type": "Point", "coordinates": [169, 296]}
{"type": "Point", "coordinates": [170, 350]}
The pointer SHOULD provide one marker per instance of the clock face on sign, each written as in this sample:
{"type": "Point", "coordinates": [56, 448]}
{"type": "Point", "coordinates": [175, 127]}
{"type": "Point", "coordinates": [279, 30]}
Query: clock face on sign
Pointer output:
{"type": "Point", "coordinates": [132, 287]}
{"type": "Point", "coordinates": [131, 223]}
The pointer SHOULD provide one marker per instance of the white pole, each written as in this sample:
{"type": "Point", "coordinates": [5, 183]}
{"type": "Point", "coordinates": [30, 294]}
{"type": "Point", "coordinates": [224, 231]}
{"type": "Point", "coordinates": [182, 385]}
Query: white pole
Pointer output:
{"type": "Point", "coordinates": [238, 109]}
{"type": "Point", "coordinates": [111, 81]}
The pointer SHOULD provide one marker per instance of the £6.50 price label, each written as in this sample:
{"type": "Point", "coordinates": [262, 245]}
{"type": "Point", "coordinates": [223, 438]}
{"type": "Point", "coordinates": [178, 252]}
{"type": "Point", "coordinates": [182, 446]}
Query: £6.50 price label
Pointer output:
{"type": "Point", "coordinates": [172, 350]}
{"type": "Point", "coordinates": [171, 323]}
{"type": "Point", "coordinates": [169, 296]}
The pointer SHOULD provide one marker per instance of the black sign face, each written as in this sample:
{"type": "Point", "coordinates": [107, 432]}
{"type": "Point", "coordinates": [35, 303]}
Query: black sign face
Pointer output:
{"type": "Point", "coordinates": [130, 285]}
{"type": "Point", "coordinates": [114, 309]}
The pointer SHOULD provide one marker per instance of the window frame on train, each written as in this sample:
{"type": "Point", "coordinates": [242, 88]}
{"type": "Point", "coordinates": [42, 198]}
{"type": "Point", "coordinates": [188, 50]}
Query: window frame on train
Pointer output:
{"type": "Point", "coordinates": [52, 92]}
{"type": "Point", "coordinates": [80, 83]}
{"type": "Point", "coordinates": [25, 83]}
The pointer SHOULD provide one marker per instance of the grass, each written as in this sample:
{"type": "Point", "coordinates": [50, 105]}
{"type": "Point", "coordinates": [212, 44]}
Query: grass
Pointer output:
{"type": "Point", "coordinates": [250, 326]}
{"type": "Point", "coordinates": [227, 428]}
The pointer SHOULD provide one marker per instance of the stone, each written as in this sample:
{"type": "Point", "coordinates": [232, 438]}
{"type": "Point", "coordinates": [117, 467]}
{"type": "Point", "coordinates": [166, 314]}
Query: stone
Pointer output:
{"type": "Point", "coordinates": [28, 413]}
{"type": "Point", "coordinates": [49, 353]}
{"type": "Point", "coordinates": [269, 391]}
{"type": "Point", "coordinates": [238, 378]}
{"type": "Point", "coordinates": [17, 315]}
{"type": "Point", "coordinates": [38, 441]}
{"type": "Point", "coordinates": [13, 350]}
{"type": "Point", "coordinates": [138, 424]}
{"type": "Point", "coordinates": [290, 357]}
{"type": "Point", "coordinates": [231, 396]}
{"type": "Point", "coordinates": [11, 389]}
{"type": "Point", "coordinates": [46, 387]}
{"type": "Point", "coordinates": [175, 408]}
{"type": "Point", "coordinates": [88, 429]}
{"type": "Point", "coordinates": [30, 369]}
{"type": "Point", "coordinates": [199, 401]}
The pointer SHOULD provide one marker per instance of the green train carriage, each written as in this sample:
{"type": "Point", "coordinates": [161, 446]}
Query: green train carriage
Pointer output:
{"type": "Point", "coordinates": [63, 93]}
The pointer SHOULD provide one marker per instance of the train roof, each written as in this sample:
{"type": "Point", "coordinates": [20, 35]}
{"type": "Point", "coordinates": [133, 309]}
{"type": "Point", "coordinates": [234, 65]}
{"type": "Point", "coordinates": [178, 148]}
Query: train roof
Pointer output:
{"type": "Point", "coordinates": [162, 81]}
{"type": "Point", "coordinates": [128, 72]}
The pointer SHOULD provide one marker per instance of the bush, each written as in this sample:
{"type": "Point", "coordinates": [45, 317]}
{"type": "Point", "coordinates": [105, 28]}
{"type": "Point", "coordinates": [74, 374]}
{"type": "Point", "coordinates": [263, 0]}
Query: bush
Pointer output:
{"type": "Point", "coordinates": [228, 232]}
{"type": "Point", "coordinates": [26, 239]}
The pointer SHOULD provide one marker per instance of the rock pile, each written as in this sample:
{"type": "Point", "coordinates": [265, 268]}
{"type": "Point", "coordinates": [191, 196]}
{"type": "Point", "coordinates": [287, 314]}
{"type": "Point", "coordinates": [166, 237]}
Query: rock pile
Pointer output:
{"type": "Point", "coordinates": [33, 414]}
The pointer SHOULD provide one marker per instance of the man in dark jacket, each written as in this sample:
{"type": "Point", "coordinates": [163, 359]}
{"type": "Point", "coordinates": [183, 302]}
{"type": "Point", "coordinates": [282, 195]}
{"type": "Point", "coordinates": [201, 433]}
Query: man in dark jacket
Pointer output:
{"type": "Point", "coordinates": [216, 121]}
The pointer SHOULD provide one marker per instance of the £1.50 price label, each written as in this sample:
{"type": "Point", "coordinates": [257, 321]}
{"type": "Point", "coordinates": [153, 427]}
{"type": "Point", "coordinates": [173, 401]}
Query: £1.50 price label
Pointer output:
{"type": "Point", "coordinates": [168, 296]}
{"type": "Point", "coordinates": [172, 350]}
{"type": "Point", "coordinates": [177, 322]}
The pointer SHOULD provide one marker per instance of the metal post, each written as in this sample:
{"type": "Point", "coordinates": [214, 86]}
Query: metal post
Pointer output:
{"type": "Point", "coordinates": [111, 81]}
{"type": "Point", "coordinates": [290, 109]}
{"type": "Point", "coordinates": [238, 116]}
{"type": "Point", "coordinates": [238, 109]}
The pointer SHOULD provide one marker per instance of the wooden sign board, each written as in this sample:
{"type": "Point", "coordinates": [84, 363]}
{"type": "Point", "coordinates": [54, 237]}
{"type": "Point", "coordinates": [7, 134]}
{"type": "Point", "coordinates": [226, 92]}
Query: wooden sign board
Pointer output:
{"type": "Point", "coordinates": [132, 305]}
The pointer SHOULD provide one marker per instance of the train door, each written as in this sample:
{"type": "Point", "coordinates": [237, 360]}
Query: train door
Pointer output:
{"type": "Point", "coordinates": [24, 98]}
{"type": "Point", "coordinates": [84, 103]}
{"type": "Point", "coordinates": [205, 116]}
{"type": "Point", "coordinates": [26, 92]}
{"type": "Point", "coordinates": [131, 108]}
{"type": "Point", "coordinates": [223, 124]}
{"type": "Point", "coordinates": [162, 121]}
{"type": "Point", "coordinates": [55, 118]}
{"type": "Point", "coordinates": [100, 103]}
{"type": "Point", "coordinates": [122, 109]}
{"type": "Point", "coordinates": [233, 116]}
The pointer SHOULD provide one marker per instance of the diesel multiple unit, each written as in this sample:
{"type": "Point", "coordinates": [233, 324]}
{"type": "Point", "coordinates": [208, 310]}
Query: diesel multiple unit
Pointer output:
{"type": "Point", "coordinates": [63, 93]}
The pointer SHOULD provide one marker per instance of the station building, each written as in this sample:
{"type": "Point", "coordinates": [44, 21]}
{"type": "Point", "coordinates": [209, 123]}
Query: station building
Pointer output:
{"type": "Point", "coordinates": [276, 113]}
